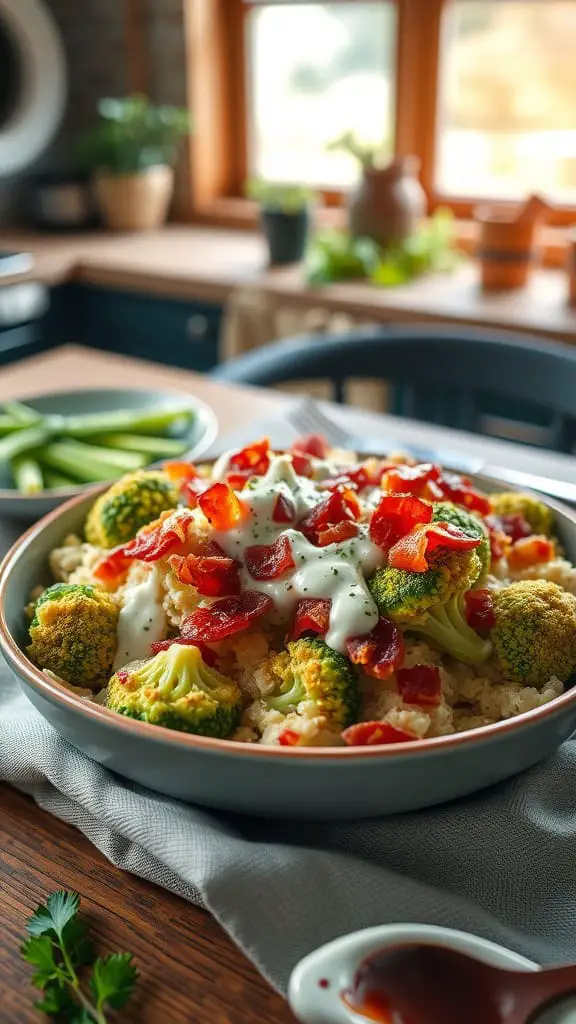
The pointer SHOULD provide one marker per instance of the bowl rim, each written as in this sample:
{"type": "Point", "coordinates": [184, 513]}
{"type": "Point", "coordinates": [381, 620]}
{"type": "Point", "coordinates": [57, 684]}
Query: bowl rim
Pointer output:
{"type": "Point", "coordinates": [58, 693]}
{"type": "Point", "coordinates": [10, 494]}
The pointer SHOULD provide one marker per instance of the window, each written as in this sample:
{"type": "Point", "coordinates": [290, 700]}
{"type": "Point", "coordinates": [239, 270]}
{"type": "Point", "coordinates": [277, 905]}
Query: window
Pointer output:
{"type": "Point", "coordinates": [314, 71]}
{"type": "Point", "coordinates": [483, 91]}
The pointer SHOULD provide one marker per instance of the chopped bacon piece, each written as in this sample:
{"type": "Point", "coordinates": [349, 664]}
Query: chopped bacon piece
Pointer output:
{"type": "Point", "coordinates": [312, 616]}
{"type": "Point", "coordinates": [302, 463]}
{"type": "Point", "coordinates": [284, 510]}
{"type": "Point", "coordinates": [313, 444]}
{"type": "Point", "coordinates": [162, 537]}
{"type": "Point", "coordinates": [212, 575]}
{"type": "Point", "coordinates": [337, 508]}
{"type": "Point", "coordinates": [222, 508]}
{"type": "Point", "coordinates": [355, 478]}
{"type": "Point", "coordinates": [226, 617]}
{"type": "Point", "coordinates": [480, 610]}
{"type": "Point", "coordinates": [269, 561]}
{"type": "Point", "coordinates": [254, 457]}
{"type": "Point", "coordinates": [191, 490]}
{"type": "Point", "coordinates": [420, 684]}
{"type": "Point", "coordinates": [380, 652]}
{"type": "Point", "coordinates": [530, 551]}
{"type": "Point", "coordinates": [513, 524]}
{"type": "Point", "coordinates": [289, 738]}
{"type": "Point", "coordinates": [410, 551]}
{"type": "Point", "coordinates": [178, 472]}
{"type": "Point", "coordinates": [427, 480]}
{"type": "Point", "coordinates": [395, 516]}
{"type": "Point", "coordinates": [369, 734]}
{"type": "Point", "coordinates": [208, 655]}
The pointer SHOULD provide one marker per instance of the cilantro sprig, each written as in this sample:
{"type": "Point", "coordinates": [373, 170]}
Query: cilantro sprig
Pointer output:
{"type": "Point", "coordinates": [77, 986]}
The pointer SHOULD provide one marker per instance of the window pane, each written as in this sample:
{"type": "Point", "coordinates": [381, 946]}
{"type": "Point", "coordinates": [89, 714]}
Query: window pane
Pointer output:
{"type": "Point", "coordinates": [315, 72]}
{"type": "Point", "coordinates": [508, 109]}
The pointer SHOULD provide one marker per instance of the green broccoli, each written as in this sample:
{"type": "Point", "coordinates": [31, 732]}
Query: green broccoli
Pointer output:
{"type": "Point", "coordinates": [73, 634]}
{"type": "Point", "coordinates": [178, 690]}
{"type": "Point", "coordinates": [535, 512]}
{"type": "Point", "coordinates": [534, 635]}
{"type": "Point", "coordinates": [132, 502]}
{"type": "Point", "coordinates": [470, 524]}
{"type": "Point", "coordinates": [309, 670]}
{"type": "Point", "coordinates": [432, 602]}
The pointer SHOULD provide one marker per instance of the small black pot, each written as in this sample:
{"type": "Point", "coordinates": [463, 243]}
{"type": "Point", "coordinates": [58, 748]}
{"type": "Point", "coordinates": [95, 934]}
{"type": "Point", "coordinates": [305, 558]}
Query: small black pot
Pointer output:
{"type": "Point", "coordinates": [286, 234]}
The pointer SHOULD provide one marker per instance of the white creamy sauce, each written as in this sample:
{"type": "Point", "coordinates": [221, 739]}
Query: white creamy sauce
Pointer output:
{"type": "Point", "coordinates": [336, 572]}
{"type": "Point", "coordinates": [142, 620]}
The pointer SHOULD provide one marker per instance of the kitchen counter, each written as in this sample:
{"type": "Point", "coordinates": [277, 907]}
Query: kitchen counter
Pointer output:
{"type": "Point", "coordinates": [205, 263]}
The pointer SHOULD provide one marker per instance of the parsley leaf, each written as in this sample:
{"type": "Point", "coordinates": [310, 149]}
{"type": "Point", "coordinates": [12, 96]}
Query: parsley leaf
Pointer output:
{"type": "Point", "coordinates": [59, 909]}
{"type": "Point", "coordinates": [39, 951]}
{"type": "Point", "coordinates": [113, 980]}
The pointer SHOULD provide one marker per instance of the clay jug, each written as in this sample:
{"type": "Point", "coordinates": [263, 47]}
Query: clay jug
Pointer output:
{"type": "Point", "coordinates": [388, 203]}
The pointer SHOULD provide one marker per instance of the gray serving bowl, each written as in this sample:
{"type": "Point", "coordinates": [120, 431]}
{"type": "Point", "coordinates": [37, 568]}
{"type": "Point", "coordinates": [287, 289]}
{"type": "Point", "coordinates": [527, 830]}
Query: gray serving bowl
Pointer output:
{"type": "Point", "coordinates": [198, 436]}
{"type": "Point", "coordinates": [286, 782]}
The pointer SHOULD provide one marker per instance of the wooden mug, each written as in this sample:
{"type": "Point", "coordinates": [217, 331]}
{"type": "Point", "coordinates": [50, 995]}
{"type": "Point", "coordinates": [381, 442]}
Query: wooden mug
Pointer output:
{"type": "Point", "coordinates": [508, 244]}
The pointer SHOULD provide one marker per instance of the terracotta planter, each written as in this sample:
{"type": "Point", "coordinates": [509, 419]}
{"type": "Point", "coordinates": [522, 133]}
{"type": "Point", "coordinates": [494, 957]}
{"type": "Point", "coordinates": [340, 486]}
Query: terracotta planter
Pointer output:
{"type": "Point", "coordinates": [135, 202]}
{"type": "Point", "coordinates": [388, 203]}
{"type": "Point", "coordinates": [508, 247]}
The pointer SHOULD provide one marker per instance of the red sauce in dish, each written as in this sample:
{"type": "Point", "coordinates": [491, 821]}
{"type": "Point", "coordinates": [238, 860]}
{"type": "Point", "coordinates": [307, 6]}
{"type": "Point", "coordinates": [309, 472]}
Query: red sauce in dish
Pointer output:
{"type": "Point", "coordinates": [420, 984]}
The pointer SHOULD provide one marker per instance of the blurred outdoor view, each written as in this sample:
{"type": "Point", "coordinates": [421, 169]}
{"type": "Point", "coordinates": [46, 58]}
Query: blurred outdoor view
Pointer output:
{"type": "Point", "coordinates": [507, 116]}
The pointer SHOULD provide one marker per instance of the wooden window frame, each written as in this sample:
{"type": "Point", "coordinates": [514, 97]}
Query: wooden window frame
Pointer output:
{"type": "Point", "coordinates": [215, 39]}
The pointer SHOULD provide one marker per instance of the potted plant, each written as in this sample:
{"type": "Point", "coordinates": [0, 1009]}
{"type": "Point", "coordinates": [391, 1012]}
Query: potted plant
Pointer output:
{"type": "Point", "coordinates": [284, 217]}
{"type": "Point", "coordinates": [389, 201]}
{"type": "Point", "coordinates": [130, 151]}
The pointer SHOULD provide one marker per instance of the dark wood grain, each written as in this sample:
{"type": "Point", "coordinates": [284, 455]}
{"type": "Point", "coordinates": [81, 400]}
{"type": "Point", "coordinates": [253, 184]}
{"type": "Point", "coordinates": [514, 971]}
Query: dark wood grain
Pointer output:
{"type": "Point", "coordinates": [190, 970]}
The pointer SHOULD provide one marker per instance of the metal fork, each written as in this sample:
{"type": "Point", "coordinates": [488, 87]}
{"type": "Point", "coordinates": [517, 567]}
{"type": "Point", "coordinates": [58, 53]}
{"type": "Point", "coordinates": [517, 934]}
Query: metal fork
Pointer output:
{"type": "Point", "coordinates": [307, 418]}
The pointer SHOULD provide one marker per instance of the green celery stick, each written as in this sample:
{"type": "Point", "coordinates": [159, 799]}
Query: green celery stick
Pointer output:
{"type": "Point", "coordinates": [8, 425]}
{"type": "Point", "coordinates": [137, 421]}
{"type": "Point", "coordinates": [23, 441]}
{"type": "Point", "coordinates": [27, 474]}
{"type": "Point", "coordinates": [88, 463]}
{"type": "Point", "coordinates": [153, 446]}
{"type": "Point", "coordinates": [23, 414]}
{"type": "Point", "coordinates": [53, 479]}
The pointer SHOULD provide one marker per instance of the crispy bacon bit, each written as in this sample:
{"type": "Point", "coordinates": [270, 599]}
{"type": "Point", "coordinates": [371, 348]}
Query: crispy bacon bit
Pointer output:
{"type": "Point", "coordinates": [284, 510]}
{"type": "Point", "coordinates": [289, 738]}
{"type": "Point", "coordinates": [312, 616]}
{"type": "Point", "coordinates": [162, 537]}
{"type": "Point", "coordinates": [208, 655]}
{"type": "Point", "coordinates": [226, 617]}
{"type": "Point", "coordinates": [420, 684]}
{"type": "Point", "coordinates": [254, 459]}
{"type": "Point", "coordinates": [395, 516]}
{"type": "Point", "coordinates": [513, 524]}
{"type": "Point", "coordinates": [480, 610]}
{"type": "Point", "coordinates": [371, 734]}
{"type": "Point", "coordinates": [178, 472]}
{"type": "Point", "coordinates": [410, 551]}
{"type": "Point", "coordinates": [269, 561]}
{"type": "Point", "coordinates": [432, 482]}
{"type": "Point", "coordinates": [355, 478]}
{"type": "Point", "coordinates": [212, 575]}
{"type": "Point", "coordinates": [312, 444]}
{"type": "Point", "coordinates": [337, 508]}
{"type": "Point", "coordinates": [123, 676]}
{"type": "Point", "coordinates": [380, 652]}
{"type": "Point", "coordinates": [302, 463]}
{"type": "Point", "coordinates": [222, 508]}
{"type": "Point", "coordinates": [530, 551]}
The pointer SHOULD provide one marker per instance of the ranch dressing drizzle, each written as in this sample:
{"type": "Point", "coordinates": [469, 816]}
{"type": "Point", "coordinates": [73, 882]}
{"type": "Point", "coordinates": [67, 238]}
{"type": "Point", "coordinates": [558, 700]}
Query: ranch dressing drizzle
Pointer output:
{"type": "Point", "coordinates": [336, 572]}
{"type": "Point", "coordinates": [142, 620]}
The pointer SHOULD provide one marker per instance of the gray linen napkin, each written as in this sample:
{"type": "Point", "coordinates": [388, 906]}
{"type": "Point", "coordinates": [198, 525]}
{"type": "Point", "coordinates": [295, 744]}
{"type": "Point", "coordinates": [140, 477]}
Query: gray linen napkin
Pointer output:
{"type": "Point", "coordinates": [501, 864]}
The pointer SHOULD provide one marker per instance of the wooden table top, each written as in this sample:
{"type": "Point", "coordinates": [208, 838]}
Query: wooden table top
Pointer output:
{"type": "Point", "coordinates": [190, 970]}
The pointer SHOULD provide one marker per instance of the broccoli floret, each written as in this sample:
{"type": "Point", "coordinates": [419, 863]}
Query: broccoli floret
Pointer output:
{"type": "Point", "coordinates": [432, 602]}
{"type": "Point", "coordinates": [309, 670]}
{"type": "Point", "coordinates": [470, 524]}
{"type": "Point", "coordinates": [535, 512]}
{"type": "Point", "coordinates": [534, 635]}
{"type": "Point", "coordinates": [178, 690]}
{"type": "Point", "coordinates": [73, 633]}
{"type": "Point", "coordinates": [132, 502]}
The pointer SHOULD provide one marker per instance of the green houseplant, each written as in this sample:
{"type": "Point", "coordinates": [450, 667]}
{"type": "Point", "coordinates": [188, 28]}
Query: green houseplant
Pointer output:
{"type": "Point", "coordinates": [284, 218]}
{"type": "Point", "coordinates": [130, 151]}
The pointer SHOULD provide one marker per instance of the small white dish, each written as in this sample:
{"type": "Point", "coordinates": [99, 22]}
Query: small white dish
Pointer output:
{"type": "Point", "coordinates": [317, 982]}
